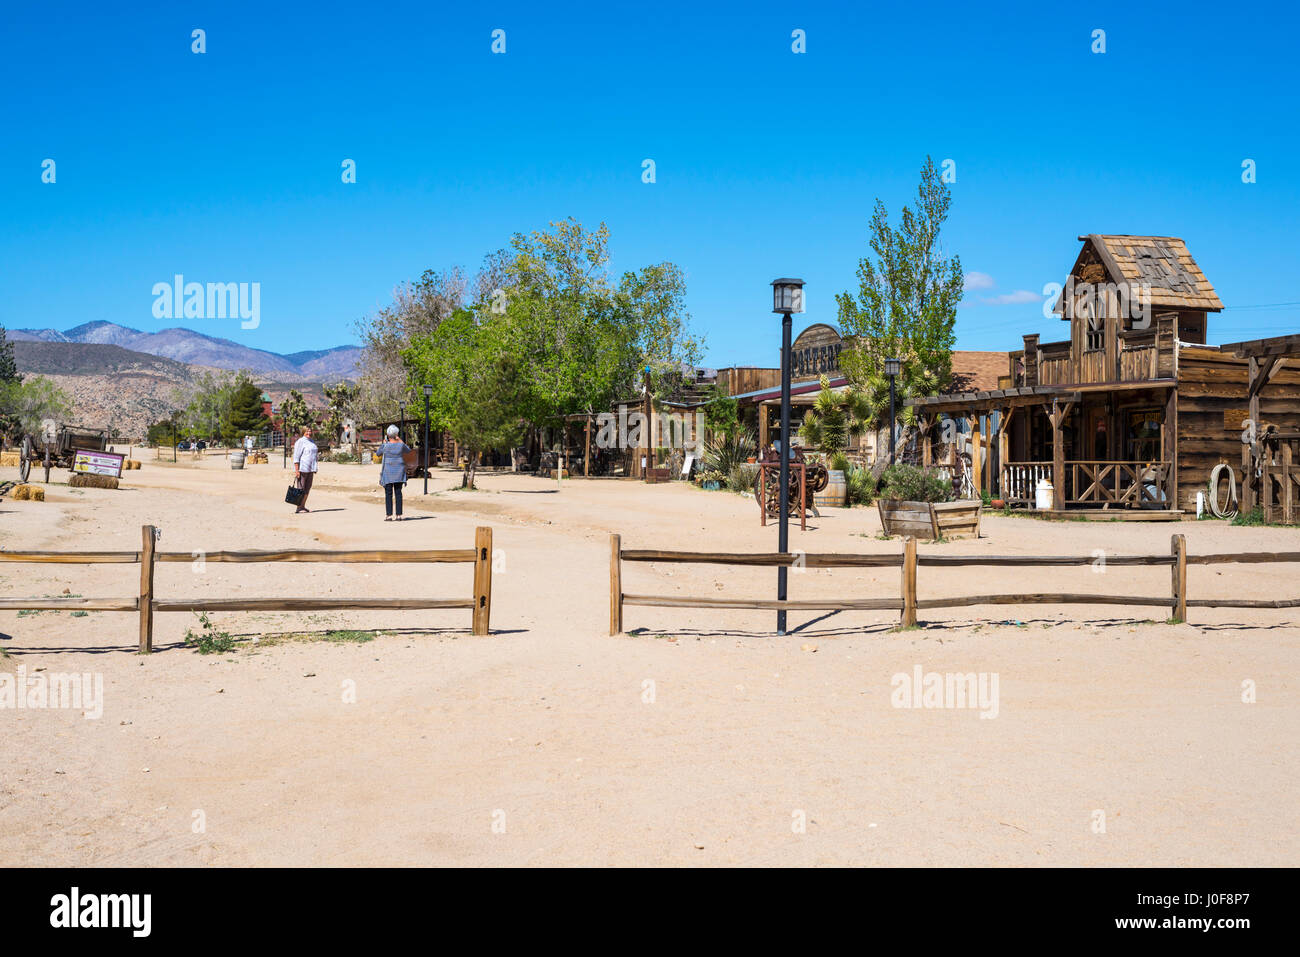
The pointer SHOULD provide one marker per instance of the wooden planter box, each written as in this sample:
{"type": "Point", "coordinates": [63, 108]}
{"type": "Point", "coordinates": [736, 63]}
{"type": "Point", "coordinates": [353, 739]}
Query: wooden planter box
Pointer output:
{"type": "Point", "coordinates": [931, 520]}
{"type": "Point", "coordinates": [655, 476]}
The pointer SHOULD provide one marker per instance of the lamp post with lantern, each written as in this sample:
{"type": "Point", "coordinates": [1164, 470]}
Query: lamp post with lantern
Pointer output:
{"type": "Point", "coordinates": [428, 391]}
{"type": "Point", "coordinates": [892, 368]}
{"type": "Point", "coordinates": [787, 298]}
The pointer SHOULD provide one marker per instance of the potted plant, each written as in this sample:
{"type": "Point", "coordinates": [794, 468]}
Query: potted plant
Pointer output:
{"type": "Point", "coordinates": [918, 502]}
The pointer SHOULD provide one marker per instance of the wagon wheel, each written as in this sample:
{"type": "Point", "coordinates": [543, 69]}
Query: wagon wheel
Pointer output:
{"type": "Point", "coordinates": [818, 478]}
{"type": "Point", "coordinates": [25, 458]}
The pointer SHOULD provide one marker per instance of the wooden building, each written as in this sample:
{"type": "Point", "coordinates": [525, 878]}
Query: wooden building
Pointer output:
{"type": "Point", "coordinates": [1133, 409]}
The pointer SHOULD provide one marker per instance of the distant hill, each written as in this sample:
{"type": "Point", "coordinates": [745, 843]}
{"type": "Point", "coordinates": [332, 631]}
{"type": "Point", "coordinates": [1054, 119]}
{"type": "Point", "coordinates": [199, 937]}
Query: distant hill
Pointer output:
{"type": "Point", "coordinates": [113, 387]}
{"type": "Point", "coordinates": [196, 348]}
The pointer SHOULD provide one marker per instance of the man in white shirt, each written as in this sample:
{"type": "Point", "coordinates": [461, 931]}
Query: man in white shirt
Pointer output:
{"type": "Point", "coordinates": [304, 465]}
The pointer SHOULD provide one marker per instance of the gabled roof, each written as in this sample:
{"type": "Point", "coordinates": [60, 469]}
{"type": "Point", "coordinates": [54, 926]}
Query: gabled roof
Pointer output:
{"type": "Point", "coordinates": [1160, 262]}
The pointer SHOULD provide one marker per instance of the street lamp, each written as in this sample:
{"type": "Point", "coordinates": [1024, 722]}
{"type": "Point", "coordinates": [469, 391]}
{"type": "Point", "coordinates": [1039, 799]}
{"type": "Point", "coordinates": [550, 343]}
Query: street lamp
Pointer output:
{"type": "Point", "coordinates": [787, 297]}
{"type": "Point", "coordinates": [401, 420]}
{"type": "Point", "coordinates": [428, 391]}
{"type": "Point", "coordinates": [892, 368]}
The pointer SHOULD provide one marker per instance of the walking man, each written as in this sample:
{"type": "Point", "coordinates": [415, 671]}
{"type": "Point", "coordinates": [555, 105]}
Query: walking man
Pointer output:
{"type": "Point", "coordinates": [304, 465]}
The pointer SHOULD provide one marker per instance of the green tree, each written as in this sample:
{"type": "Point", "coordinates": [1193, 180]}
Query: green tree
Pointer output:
{"type": "Point", "coordinates": [479, 393]}
{"type": "Point", "coordinates": [245, 415]}
{"type": "Point", "coordinates": [25, 404]}
{"type": "Point", "coordinates": [906, 306]}
{"type": "Point", "coordinates": [8, 368]}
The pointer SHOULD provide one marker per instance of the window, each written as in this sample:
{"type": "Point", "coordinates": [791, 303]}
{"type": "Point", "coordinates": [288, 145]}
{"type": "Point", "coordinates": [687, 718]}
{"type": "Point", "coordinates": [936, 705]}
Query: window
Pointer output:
{"type": "Point", "coordinates": [1094, 336]}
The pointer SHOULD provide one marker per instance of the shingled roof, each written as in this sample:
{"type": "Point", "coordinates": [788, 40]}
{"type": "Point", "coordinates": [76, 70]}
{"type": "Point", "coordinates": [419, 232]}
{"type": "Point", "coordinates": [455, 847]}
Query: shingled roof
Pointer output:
{"type": "Point", "coordinates": [1161, 262]}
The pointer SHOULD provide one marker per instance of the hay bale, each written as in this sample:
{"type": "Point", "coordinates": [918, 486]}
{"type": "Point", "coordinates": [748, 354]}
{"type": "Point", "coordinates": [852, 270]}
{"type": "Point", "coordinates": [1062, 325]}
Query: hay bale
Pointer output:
{"type": "Point", "coordinates": [29, 493]}
{"type": "Point", "coordinates": [133, 463]}
{"type": "Point", "coordinates": [84, 480]}
{"type": "Point", "coordinates": [10, 458]}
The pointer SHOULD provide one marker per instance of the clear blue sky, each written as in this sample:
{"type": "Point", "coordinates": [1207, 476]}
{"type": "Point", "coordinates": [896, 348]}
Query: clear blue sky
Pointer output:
{"type": "Point", "coordinates": [226, 166]}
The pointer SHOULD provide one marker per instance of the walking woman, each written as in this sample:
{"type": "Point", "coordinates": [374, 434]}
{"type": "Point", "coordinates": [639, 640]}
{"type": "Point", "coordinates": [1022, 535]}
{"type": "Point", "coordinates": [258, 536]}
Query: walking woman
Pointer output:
{"type": "Point", "coordinates": [392, 474]}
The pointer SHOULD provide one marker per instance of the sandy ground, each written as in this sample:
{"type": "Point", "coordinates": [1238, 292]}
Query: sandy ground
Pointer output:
{"type": "Point", "coordinates": [698, 738]}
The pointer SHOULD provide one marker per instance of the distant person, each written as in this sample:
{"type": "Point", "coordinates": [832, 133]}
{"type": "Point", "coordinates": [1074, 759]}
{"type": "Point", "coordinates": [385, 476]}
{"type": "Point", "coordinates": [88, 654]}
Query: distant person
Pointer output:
{"type": "Point", "coordinates": [304, 466]}
{"type": "Point", "coordinates": [392, 473]}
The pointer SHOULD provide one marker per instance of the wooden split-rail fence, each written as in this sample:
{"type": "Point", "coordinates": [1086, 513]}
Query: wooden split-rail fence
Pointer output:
{"type": "Point", "coordinates": [479, 604]}
{"type": "Point", "coordinates": [908, 602]}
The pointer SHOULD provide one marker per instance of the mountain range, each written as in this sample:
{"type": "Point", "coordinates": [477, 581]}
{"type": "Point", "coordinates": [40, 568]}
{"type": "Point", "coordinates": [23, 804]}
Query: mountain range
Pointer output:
{"type": "Point", "coordinates": [195, 348]}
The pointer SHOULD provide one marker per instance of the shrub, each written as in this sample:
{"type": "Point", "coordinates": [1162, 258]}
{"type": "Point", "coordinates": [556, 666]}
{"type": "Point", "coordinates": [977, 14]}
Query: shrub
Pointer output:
{"type": "Point", "coordinates": [914, 484]}
{"type": "Point", "coordinates": [741, 479]}
{"type": "Point", "coordinates": [724, 452]}
{"type": "Point", "coordinates": [838, 462]}
{"type": "Point", "coordinates": [860, 487]}
{"type": "Point", "coordinates": [209, 641]}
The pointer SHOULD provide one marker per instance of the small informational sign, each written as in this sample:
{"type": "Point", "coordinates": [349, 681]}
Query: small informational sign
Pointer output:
{"type": "Point", "coordinates": [686, 466]}
{"type": "Point", "coordinates": [98, 463]}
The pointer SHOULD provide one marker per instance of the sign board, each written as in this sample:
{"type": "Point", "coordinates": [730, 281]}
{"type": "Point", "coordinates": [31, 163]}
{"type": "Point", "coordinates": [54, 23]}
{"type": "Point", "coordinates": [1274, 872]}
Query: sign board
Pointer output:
{"type": "Point", "coordinates": [816, 352]}
{"type": "Point", "coordinates": [98, 463]}
{"type": "Point", "coordinates": [686, 466]}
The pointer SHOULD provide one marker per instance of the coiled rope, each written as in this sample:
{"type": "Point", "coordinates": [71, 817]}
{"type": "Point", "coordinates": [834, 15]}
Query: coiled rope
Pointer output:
{"type": "Point", "coordinates": [1229, 510]}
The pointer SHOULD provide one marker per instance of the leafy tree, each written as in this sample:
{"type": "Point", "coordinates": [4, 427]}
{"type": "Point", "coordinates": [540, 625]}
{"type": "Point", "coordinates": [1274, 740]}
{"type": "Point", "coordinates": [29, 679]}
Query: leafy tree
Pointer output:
{"type": "Point", "coordinates": [721, 413]}
{"type": "Point", "coordinates": [479, 395]}
{"type": "Point", "coordinates": [906, 306]}
{"type": "Point", "coordinates": [26, 404]}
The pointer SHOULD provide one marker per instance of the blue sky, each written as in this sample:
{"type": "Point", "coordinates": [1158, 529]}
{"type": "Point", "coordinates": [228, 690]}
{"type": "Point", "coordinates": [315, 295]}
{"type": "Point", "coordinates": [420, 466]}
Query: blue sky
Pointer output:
{"type": "Point", "coordinates": [225, 166]}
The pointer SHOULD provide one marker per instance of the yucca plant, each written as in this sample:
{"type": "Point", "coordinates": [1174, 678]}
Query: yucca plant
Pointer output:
{"type": "Point", "coordinates": [725, 452]}
{"type": "Point", "coordinates": [834, 418]}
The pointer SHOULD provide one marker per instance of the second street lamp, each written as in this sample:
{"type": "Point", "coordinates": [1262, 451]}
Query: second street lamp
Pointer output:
{"type": "Point", "coordinates": [428, 391]}
{"type": "Point", "coordinates": [787, 297]}
{"type": "Point", "coordinates": [892, 368]}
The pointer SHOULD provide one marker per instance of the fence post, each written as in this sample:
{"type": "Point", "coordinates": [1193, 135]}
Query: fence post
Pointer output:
{"type": "Point", "coordinates": [482, 579]}
{"type": "Point", "coordinates": [616, 584]}
{"type": "Point", "coordinates": [1178, 548]}
{"type": "Point", "coordinates": [149, 535]}
{"type": "Point", "coordinates": [909, 582]}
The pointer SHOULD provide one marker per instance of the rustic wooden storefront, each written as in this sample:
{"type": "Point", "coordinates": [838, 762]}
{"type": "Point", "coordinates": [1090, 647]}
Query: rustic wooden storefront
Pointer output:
{"type": "Point", "coordinates": [1134, 410]}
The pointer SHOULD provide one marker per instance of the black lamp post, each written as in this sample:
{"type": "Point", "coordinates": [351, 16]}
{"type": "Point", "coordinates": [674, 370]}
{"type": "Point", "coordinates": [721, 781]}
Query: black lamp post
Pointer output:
{"type": "Point", "coordinates": [787, 298]}
{"type": "Point", "coordinates": [428, 391]}
{"type": "Point", "coordinates": [401, 421]}
{"type": "Point", "coordinates": [892, 368]}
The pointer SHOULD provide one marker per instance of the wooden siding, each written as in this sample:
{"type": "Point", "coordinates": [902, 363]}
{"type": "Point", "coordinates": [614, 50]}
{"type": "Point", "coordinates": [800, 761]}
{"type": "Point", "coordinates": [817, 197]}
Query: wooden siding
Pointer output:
{"type": "Point", "coordinates": [1212, 403]}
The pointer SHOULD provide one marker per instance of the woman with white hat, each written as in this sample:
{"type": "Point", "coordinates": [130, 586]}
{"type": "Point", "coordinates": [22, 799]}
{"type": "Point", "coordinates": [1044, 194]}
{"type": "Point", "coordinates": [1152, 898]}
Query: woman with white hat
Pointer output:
{"type": "Point", "coordinates": [392, 473]}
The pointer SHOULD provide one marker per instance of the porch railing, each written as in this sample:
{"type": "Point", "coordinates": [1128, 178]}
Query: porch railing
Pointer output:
{"type": "Point", "coordinates": [1125, 484]}
{"type": "Point", "coordinates": [1020, 479]}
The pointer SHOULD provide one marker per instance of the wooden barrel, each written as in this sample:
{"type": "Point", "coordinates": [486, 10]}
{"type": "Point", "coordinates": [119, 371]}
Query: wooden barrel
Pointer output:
{"type": "Point", "coordinates": [237, 460]}
{"type": "Point", "coordinates": [835, 494]}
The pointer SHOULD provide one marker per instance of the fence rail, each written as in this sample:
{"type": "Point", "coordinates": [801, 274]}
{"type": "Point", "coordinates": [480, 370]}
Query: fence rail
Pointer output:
{"type": "Point", "coordinates": [908, 561]}
{"type": "Point", "coordinates": [479, 603]}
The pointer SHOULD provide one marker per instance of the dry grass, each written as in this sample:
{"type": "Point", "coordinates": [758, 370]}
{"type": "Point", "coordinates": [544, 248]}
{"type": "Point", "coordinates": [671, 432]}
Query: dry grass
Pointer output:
{"type": "Point", "coordinates": [82, 480]}
{"type": "Point", "coordinates": [29, 493]}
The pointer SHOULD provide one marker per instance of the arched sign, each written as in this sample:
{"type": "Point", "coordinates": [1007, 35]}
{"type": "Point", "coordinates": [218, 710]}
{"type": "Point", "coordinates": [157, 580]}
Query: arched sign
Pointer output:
{"type": "Point", "coordinates": [816, 352]}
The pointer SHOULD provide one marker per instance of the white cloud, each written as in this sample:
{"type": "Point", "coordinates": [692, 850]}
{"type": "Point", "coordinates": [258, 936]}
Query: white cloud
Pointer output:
{"type": "Point", "coordinates": [1020, 296]}
{"type": "Point", "coordinates": [978, 280]}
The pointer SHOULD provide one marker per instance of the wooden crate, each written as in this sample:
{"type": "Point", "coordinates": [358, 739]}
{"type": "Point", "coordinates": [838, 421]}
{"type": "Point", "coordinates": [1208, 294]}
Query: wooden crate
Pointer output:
{"type": "Point", "coordinates": [930, 520]}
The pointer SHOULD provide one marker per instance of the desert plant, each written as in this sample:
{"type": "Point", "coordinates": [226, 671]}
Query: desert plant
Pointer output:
{"type": "Point", "coordinates": [914, 484]}
{"type": "Point", "coordinates": [834, 418]}
{"type": "Point", "coordinates": [860, 486]}
{"type": "Point", "coordinates": [208, 640]}
{"type": "Point", "coordinates": [741, 479]}
{"type": "Point", "coordinates": [839, 462]}
{"type": "Point", "coordinates": [724, 452]}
